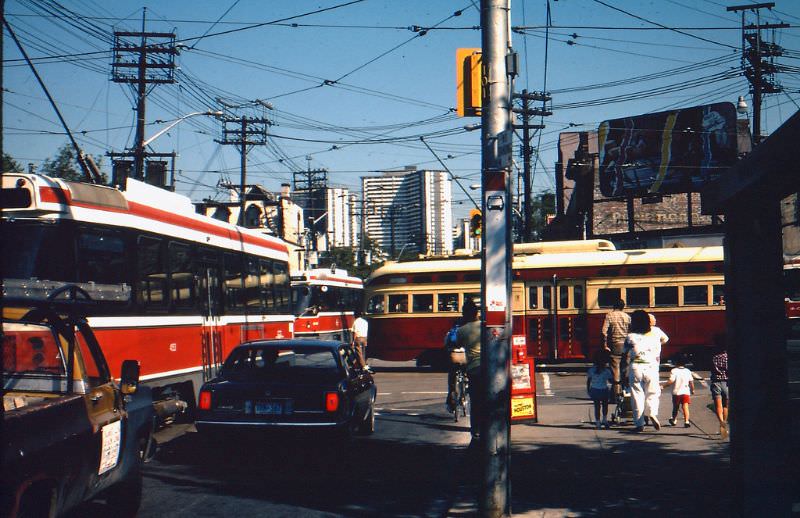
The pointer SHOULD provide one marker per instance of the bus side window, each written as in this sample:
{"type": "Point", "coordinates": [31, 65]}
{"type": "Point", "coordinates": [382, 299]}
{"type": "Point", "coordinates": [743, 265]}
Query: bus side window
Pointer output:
{"type": "Point", "coordinates": [234, 291]}
{"type": "Point", "coordinates": [447, 302]}
{"type": "Point", "coordinates": [718, 294]}
{"type": "Point", "coordinates": [398, 303]}
{"type": "Point", "coordinates": [533, 297]}
{"type": "Point", "coordinates": [695, 295]}
{"type": "Point", "coordinates": [666, 295]}
{"type": "Point", "coordinates": [151, 288]}
{"type": "Point", "coordinates": [607, 297]}
{"type": "Point", "coordinates": [637, 297]}
{"type": "Point", "coordinates": [180, 275]}
{"type": "Point", "coordinates": [251, 284]}
{"type": "Point", "coordinates": [578, 297]}
{"type": "Point", "coordinates": [101, 257]}
{"type": "Point", "coordinates": [266, 285]}
{"type": "Point", "coordinates": [422, 303]}
{"type": "Point", "coordinates": [563, 297]}
{"type": "Point", "coordinates": [375, 305]}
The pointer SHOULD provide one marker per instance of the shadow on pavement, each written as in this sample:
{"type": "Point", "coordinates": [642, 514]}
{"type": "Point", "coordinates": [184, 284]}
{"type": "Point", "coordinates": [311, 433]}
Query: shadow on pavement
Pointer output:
{"type": "Point", "coordinates": [364, 478]}
{"type": "Point", "coordinates": [632, 478]}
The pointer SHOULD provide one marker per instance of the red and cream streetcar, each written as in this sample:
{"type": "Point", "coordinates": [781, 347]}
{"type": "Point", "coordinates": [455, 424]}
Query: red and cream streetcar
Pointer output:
{"type": "Point", "coordinates": [188, 288]}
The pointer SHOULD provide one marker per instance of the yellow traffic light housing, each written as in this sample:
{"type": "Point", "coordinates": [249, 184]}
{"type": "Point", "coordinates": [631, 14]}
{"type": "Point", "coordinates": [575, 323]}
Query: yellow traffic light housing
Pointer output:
{"type": "Point", "coordinates": [468, 82]}
{"type": "Point", "coordinates": [475, 223]}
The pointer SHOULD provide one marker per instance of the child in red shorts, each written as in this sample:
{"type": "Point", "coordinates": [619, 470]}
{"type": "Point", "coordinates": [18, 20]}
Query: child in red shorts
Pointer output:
{"type": "Point", "coordinates": [682, 383]}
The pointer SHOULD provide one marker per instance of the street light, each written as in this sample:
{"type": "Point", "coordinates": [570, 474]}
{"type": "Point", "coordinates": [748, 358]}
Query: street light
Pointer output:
{"type": "Point", "coordinates": [177, 121]}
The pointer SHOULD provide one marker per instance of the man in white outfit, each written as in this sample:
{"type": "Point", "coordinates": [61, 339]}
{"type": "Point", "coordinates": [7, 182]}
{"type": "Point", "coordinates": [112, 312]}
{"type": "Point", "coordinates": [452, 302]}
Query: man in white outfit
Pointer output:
{"type": "Point", "coordinates": [642, 354]}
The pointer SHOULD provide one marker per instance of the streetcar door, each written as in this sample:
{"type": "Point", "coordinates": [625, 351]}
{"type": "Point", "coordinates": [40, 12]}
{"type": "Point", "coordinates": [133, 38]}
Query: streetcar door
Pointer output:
{"type": "Point", "coordinates": [210, 298]}
{"type": "Point", "coordinates": [539, 321]}
{"type": "Point", "coordinates": [556, 319]}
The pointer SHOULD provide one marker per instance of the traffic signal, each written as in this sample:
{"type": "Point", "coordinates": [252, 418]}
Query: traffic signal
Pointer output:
{"type": "Point", "coordinates": [468, 82]}
{"type": "Point", "coordinates": [475, 223]}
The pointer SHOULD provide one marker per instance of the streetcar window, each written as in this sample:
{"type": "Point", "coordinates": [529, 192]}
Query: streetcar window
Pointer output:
{"type": "Point", "coordinates": [422, 303]}
{"type": "Point", "coordinates": [282, 286]}
{"type": "Point", "coordinates": [207, 276]}
{"type": "Point", "coordinates": [533, 297]}
{"type": "Point", "coordinates": [447, 302]}
{"type": "Point", "coordinates": [375, 305]}
{"type": "Point", "coordinates": [232, 282]}
{"type": "Point", "coordinates": [180, 273]}
{"type": "Point", "coordinates": [101, 257]}
{"type": "Point", "coordinates": [421, 279]}
{"type": "Point", "coordinates": [637, 297]}
{"type": "Point", "coordinates": [547, 294]}
{"type": "Point", "coordinates": [398, 303]}
{"type": "Point", "coordinates": [563, 297]}
{"type": "Point", "coordinates": [447, 277]}
{"type": "Point", "coordinates": [694, 268]}
{"type": "Point", "coordinates": [152, 283]}
{"type": "Point", "coordinates": [607, 297]}
{"type": "Point", "coordinates": [636, 271]}
{"type": "Point", "coordinates": [45, 252]}
{"type": "Point", "coordinates": [472, 277]}
{"type": "Point", "coordinates": [695, 295]}
{"type": "Point", "coordinates": [474, 297]}
{"type": "Point", "coordinates": [666, 296]}
{"type": "Point", "coordinates": [578, 297]}
{"type": "Point", "coordinates": [251, 284]}
{"type": "Point", "coordinates": [266, 284]}
{"type": "Point", "coordinates": [718, 294]}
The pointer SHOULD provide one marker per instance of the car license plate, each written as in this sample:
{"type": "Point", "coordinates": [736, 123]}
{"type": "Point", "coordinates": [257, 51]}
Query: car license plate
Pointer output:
{"type": "Point", "coordinates": [273, 407]}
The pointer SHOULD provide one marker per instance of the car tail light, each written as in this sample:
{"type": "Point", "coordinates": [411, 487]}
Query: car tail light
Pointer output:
{"type": "Point", "coordinates": [205, 400]}
{"type": "Point", "coordinates": [331, 401]}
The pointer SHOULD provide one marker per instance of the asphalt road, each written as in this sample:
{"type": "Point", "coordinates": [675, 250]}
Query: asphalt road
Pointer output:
{"type": "Point", "coordinates": [417, 463]}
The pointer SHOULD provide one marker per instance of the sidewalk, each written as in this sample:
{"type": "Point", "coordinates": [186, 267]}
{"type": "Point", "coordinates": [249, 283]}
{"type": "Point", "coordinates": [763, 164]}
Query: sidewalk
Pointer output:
{"type": "Point", "coordinates": [563, 466]}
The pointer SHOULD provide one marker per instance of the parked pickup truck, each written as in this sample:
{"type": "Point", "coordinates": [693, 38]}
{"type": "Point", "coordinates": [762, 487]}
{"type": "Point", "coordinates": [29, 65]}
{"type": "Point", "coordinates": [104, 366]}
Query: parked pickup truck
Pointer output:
{"type": "Point", "coordinates": [70, 433]}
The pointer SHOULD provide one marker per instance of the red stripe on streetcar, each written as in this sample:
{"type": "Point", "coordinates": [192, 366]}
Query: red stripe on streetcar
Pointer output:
{"type": "Point", "coordinates": [53, 195]}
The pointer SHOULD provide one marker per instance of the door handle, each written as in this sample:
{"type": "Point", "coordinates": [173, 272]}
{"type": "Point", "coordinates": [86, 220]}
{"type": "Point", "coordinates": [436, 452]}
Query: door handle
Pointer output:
{"type": "Point", "coordinates": [97, 396]}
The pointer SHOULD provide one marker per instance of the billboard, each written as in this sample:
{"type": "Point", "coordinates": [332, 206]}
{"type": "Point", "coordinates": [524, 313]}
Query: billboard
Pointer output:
{"type": "Point", "coordinates": [667, 152]}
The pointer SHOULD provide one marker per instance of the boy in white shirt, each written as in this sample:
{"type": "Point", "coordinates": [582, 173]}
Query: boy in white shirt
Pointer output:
{"type": "Point", "coordinates": [682, 388]}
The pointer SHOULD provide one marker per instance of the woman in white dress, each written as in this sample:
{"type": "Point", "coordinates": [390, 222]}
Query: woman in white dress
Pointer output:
{"type": "Point", "coordinates": [642, 354]}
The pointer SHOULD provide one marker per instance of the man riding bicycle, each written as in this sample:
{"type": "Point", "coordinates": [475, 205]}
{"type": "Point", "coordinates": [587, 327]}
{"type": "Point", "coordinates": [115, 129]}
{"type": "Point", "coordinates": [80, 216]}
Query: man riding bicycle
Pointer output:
{"type": "Point", "coordinates": [451, 349]}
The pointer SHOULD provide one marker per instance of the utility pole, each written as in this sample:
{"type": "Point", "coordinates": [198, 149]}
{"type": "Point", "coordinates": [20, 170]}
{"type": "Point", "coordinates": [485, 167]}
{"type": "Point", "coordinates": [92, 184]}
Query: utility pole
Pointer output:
{"type": "Point", "coordinates": [244, 132]}
{"type": "Point", "coordinates": [496, 132]}
{"type": "Point", "coordinates": [759, 73]}
{"type": "Point", "coordinates": [526, 112]}
{"type": "Point", "coordinates": [154, 63]}
{"type": "Point", "coordinates": [311, 181]}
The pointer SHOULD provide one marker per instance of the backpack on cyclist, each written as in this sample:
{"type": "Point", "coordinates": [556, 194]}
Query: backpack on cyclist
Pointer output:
{"type": "Point", "coordinates": [450, 340]}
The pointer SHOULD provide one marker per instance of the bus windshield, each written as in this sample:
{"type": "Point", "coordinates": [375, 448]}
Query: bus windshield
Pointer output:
{"type": "Point", "coordinates": [43, 252]}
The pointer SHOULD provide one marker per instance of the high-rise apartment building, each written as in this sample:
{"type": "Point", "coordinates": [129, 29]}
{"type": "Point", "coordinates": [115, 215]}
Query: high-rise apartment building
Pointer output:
{"type": "Point", "coordinates": [409, 210]}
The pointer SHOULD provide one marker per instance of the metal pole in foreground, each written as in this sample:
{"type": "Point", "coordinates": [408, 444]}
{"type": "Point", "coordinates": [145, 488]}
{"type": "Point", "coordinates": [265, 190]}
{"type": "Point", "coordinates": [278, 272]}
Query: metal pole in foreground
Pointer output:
{"type": "Point", "coordinates": [496, 130]}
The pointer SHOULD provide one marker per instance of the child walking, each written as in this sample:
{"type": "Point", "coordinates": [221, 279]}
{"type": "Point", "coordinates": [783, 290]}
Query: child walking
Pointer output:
{"type": "Point", "coordinates": [682, 388]}
{"type": "Point", "coordinates": [599, 379]}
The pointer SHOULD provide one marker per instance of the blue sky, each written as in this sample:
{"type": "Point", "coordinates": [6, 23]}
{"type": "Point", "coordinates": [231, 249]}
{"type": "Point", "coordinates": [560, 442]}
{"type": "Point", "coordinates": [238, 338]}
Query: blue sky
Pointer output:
{"type": "Point", "coordinates": [388, 81]}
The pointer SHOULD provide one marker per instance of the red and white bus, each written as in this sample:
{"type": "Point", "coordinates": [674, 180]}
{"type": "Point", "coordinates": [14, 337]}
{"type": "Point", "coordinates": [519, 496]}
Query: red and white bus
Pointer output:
{"type": "Point", "coordinates": [192, 287]}
{"type": "Point", "coordinates": [561, 292]}
{"type": "Point", "coordinates": [324, 301]}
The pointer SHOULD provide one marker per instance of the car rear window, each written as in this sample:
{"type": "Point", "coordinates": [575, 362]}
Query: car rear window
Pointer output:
{"type": "Point", "coordinates": [281, 363]}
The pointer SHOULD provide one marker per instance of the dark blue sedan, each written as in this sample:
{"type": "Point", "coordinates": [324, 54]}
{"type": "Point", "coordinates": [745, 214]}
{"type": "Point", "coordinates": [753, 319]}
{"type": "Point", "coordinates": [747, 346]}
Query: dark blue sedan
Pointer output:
{"type": "Point", "coordinates": [289, 385]}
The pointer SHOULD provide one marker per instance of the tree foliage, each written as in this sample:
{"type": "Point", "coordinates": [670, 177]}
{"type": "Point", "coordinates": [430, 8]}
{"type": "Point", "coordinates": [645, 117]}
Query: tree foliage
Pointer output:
{"type": "Point", "coordinates": [65, 165]}
{"type": "Point", "coordinates": [10, 165]}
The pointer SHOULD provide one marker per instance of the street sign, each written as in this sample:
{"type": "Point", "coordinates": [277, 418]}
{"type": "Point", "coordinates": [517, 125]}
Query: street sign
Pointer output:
{"type": "Point", "coordinates": [504, 148]}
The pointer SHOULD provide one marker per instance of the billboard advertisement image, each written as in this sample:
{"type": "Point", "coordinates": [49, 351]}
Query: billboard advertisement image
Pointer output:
{"type": "Point", "coordinates": [667, 152]}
